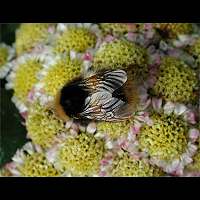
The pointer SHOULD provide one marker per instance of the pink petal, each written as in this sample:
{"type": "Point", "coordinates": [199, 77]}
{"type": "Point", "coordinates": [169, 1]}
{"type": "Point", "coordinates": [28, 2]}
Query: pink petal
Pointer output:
{"type": "Point", "coordinates": [31, 95]}
{"type": "Point", "coordinates": [87, 56]}
{"type": "Point", "coordinates": [38, 148]}
{"type": "Point", "coordinates": [131, 26]}
{"type": "Point", "coordinates": [131, 36]}
{"type": "Point", "coordinates": [174, 53]}
{"type": "Point", "coordinates": [146, 104]}
{"type": "Point", "coordinates": [51, 29]}
{"type": "Point", "coordinates": [51, 154]}
{"type": "Point", "coordinates": [149, 122]}
{"type": "Point", "coordinates": [104, 162]}
{"type": "Point", "coordinates": [194, 134]}
{"type": "Point", "coordinates": [149, 34]}
{"type": "Point", "coordinates": [190, 117]}
{"type": "Point", "coordinates": [102, 173]}
{"type": "Point", "coordinates": [148, 26]}
{"type": "Point", "coordinates": [156, 103]}
{"type": "Point", "coordinates": [10, 165]}
{"type": "Point", "coordinates": [24, 114]}
{"type": "Point", "coordinates": [136, 128]}
{"type": "Point", "coordinates": [123, 143]}
{"type": "Point", "coordinates": [109, 38]}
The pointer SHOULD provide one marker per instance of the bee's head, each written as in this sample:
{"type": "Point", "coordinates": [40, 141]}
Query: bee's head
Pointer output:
{"type": "Point", "coordinates": [72, 99]}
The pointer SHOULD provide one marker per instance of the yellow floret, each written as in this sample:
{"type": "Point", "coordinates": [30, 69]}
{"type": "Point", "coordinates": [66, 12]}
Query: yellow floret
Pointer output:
{"type": "Point", "coordinates": [3, 56]}
{"type": "Point", "coordinates": [175, 29]}
{"type": "Point", "coordinates": [121, 54]}
{"type": "Point", "coordinates": [195, 50]}
{"type": "Point", "coordinates": [115, 28]}
{"type": "Point", "coordinates": [29, 35]}
{"type": "Point", "coordinates": [36, 165]}
{"type": "Point", "coordinates": [43, 125]}
{"type": "Point", "coordinates": [26, 78]}
{"type": "Point", "coordinates": [166, 139]}
{"type": "Point", "coordinates": [81, 155]}
{"type": "Point", "coordinates": [59, 74]}
{"type": "Point", "coordinates": [124, 165]}
{"type": "Point", "coordinates": [114, 129]}
{"type": "Point", "coordinates": [74, 38]}
{"type": "Point", "coordinates": [176, 81]}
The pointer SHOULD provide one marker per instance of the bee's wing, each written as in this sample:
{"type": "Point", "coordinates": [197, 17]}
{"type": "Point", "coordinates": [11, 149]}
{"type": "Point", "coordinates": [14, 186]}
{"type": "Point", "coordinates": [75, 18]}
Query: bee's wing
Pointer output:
{"type": "Point", "coordinates": [108, 81]}
{"type": "Point", "coordinates": [102, 106]}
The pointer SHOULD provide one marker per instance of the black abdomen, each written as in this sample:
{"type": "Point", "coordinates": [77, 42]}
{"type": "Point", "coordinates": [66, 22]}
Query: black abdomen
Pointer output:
{"type": "Point", "coordinates": [73, 99]}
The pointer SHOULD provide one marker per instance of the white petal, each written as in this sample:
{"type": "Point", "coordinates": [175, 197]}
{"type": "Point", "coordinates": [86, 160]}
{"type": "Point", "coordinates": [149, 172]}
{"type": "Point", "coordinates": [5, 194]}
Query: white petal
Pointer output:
{"type": "Point", "coordinates": [72, 54]}
{"type": "Point", "coordinates": [109, 145]}
{"type": "Point", "coordinates": [169, 107]}
{"type": "Point", "coordinates": [68, 124]}
{"type": "Point", "coordinates": [91, 128]}
{"type": "Point", "coordinates": [179, 109]}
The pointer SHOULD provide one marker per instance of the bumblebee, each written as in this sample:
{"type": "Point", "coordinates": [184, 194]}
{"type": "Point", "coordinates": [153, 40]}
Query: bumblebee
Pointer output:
{"type": "Point", "coordinates": [107, 96]}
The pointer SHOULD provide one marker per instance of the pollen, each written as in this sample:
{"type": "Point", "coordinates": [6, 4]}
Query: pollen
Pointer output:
{"type": "Point", "coordinates": [3, 56]}
{"type": "Point", "coordinates": [124, 165]}
{"type": "Point", "coordinates": [26, 78]}
{"type": "Point", "coordinates": [75, 38]}
{"type": "Point", "coordinates": [59, 74]}
{"type": "Point", "coordinates": [195, 50]}
{"type": "Point", "coordinates": [29, 35]}
{"type": "Point", "coordinates": [176, 81]}
{"type": "Point", "coordinates": [115, 129]}
{"type": "Point", "coordinates": [121, 54]}
{"type": "Point", "coordinates": [81, 155]}
{"type": "Point", "coordinates": [116, 28]}
{"type": "Point", "coordinates": [175, 29]}
{"type": "Point", "coordinates": [43, 126]}
{"type": "Point", "coordinates": [36, 165]}
{"type": "Point", "coordinates": [166, 139]}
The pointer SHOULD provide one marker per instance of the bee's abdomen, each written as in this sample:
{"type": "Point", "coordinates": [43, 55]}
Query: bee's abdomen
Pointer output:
{"type": "Point", "coordinates": [73, 99]}
{"type": "Point", "coordinates": [120, 94]}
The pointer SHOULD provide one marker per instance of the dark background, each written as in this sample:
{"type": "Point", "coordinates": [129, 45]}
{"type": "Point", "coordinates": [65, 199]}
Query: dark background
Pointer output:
{"type": "Point", "coordinates": [12, 132]}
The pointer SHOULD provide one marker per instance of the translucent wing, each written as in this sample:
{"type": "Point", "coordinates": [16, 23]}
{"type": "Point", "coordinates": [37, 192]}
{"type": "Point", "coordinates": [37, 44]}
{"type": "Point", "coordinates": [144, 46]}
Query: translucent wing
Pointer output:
{"type": "Point", "coordinates": [102, 106]}
{"type": "Point", "coordinates": [107, 81]}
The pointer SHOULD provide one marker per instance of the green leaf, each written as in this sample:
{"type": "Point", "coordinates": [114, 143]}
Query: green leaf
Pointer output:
{"type": "Point", "coordinates": [13, 133]}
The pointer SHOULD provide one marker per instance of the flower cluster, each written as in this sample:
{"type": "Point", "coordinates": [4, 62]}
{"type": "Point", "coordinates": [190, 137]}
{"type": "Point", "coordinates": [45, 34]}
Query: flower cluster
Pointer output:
{"type": "Point", "coordinates": [176, 81]}
{"type": "Point", "coordinates": [162, 137]}
{"type": "Point", "coordinates": [119, 53]}
{"type": "Point", "coordinates": [30, 35]}
{"type": "Point", "coordinates": [125, 165]}
{"type": "Point", "coordinates": [172, 30]}
{"type": "Point", "coordinates": [80, 156]}
{"type": "Point", "coordinates": [43, 126]}
{"type": "Point", "coordinates": [6, 54]}
{"type": "Point", "coordinates": [75, 38]}
{"type": "Point", "coordinates": [30, 161]}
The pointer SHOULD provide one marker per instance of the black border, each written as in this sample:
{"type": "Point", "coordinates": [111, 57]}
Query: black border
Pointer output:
{"type": "Point", "coordinates": [75, 11]}
{"type": "Point", "coordinates": [100, 11]}
{"type": "Point", "coordinates": [101, 187]}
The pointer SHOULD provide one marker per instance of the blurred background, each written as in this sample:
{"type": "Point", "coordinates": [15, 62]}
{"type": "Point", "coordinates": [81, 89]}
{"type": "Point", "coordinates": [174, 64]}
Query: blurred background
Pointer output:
{"type": "Point", "coordinates": [12, 132]}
